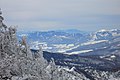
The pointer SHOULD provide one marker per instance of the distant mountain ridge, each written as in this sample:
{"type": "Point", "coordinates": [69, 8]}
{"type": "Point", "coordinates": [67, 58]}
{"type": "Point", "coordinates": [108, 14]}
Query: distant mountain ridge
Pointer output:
{"type": "Point", "coordinates": [106, 34]}
{"type": "Point", "coordinates": [100, 40]}
{"type": "Point", "coordinates": [55, 40]}
{"type": "Point", "coordinates": [62, 40]}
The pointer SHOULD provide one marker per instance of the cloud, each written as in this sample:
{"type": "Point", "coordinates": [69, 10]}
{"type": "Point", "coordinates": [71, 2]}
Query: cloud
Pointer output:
{"type": "Point", "coordinates": [55, 14]}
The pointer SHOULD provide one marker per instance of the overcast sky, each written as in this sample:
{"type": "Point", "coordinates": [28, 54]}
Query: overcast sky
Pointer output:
{"type": "Point", "coordinates": [85, 15]}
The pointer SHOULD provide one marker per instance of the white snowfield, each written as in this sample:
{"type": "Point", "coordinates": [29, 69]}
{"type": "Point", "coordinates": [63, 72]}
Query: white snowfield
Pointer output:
{"type": "Point", "coordinates": [64, 50]}
{"type": "Point", "coordinates": [70, 70]}
{"type": "Point", "coordinates": [79, 52]}
{"type": "Point", "coordinates": [102, 30]}
{"type": "Point", "coordinates": [113, 56]}
{"type": "Point", "coordinates": [83, 44]}
{"type": "Point", "coordinates": [93, 42]}
{"type": "Point", "coordinates": [114, 32]}
{"type": "Point", "coordinates": [108, 57]}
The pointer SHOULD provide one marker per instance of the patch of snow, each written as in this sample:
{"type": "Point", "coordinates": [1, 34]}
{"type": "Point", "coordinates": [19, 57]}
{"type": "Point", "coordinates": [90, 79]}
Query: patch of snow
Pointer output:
{"type": "Point", "coordinates": [35, 47]}
{"type": "Point", "coordinates": [37, 44]}
{"type": "Point", "coordinates": [102, 30]}
{"type": "Point", "coordinates": [104, 47]}
{"type": "Point", "coordinates": [108, 59]}
{"type": "Point", "coordinates": [102, 56]}
{"type": "Point", "coordinates": [79, 52]}
{"type": "Point", "coordinates": [69, 70]}
{"type": "Point", "coordinates": [72, 69]}
{"type": "Point", "coordinates": [93, 42]}
{"type": "Point", "coordinates": [113, 56]}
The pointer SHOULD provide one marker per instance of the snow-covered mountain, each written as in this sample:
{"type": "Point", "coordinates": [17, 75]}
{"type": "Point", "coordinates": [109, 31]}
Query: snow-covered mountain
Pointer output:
{"type": "Point", "coordinates": [99, 40]}
{"type": "Point", "coordinates": [70, 41]}
{"type": "Point", "coordinates": [55, 41]}
{"type": "Point", "coordinates": [106, 34]}
{"type": "Point", "coordinates": [55, 37]}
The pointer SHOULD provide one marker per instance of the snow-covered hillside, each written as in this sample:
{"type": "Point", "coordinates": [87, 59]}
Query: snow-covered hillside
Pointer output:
{"type": "Point", "coordinates": [18, 62]}
{"type": "Point", "coordinates": [99, 59]}
{"type": "Point", "coordinates": [106, 34]}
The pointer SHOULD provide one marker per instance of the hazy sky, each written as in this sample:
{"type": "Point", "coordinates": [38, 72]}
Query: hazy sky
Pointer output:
{"type": "Point", "coordinates": [87, 15]}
